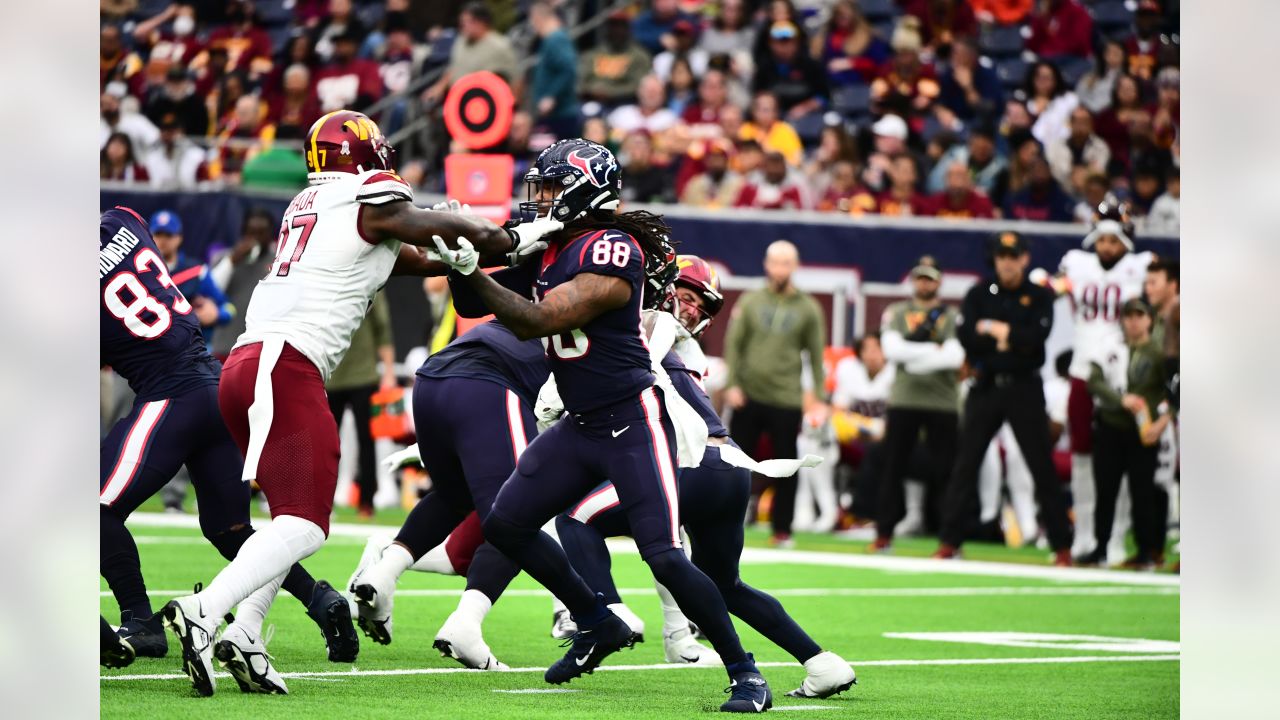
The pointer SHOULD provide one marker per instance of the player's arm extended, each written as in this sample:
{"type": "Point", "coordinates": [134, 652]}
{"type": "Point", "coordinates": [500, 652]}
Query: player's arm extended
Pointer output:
{"type": "Point", "coordinates": [412, 261]}
{"type": "Point", "coordinates": [567, 307]}
{"type": "Point", "coordinates": [409, 224]}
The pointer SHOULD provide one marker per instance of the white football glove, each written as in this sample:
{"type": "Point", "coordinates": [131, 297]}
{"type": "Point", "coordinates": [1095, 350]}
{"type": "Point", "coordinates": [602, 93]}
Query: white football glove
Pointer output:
{"type": "Point", "coordinates": [527, 237]}
{"type": "Point", "coordinates": [402, 458]}
{"type": "Point", "coordinates": [464, 260]}
{"type": "Point", "coordinates": [549, 407]}
{"type": "Point", "coordinates": [452, 206]}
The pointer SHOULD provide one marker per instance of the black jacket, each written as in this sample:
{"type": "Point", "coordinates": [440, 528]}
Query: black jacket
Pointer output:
{"type": "Point", "coordinates": [1029, 312]}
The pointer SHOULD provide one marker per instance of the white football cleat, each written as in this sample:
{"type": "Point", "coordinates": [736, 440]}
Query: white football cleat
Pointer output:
{"type": "Point", "coordinates": [186, 618]}
{"type": "Point", "coordinates": [462, 640]}
{"type": "Point", "coordinates": [683, 648]}
{"type": "Point", "coordinates": [562, 625]}
{"type": "Point", "coordinates": [632, 620]}
{"type": "Point", "coordinates": [373, 549]}
{"type": "Point", "coordinates": [826, 674]}
{"type": "Point", "coordinates": [374, 596]}
{"type": "Point", "coordinates": [248, 662]}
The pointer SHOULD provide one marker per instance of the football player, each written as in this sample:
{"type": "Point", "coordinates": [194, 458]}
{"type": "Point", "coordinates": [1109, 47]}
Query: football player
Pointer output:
{"type": "Point", "coordinates": [340, 239]}
{"type": "Point", "coordinates": [1099, 278]}
{"type": "Point", "coordinates": [713, 501]}
{"type": "Point", "coordinates": [150, 337]}
{"type": "Point", "coordinates": [587, 287]}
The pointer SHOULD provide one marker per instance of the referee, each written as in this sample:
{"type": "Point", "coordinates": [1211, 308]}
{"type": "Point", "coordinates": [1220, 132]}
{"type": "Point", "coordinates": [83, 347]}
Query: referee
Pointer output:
{"type": "Point", "coordinates": [1003, 325]}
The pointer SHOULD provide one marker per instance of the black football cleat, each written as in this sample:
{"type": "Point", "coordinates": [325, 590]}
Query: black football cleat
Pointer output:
{"type": "Point", "coordinates": [748, 693]}
{"type": "Point", "coordinates": [146, 637]}
{"type": "Point", "coordinates": [329, 609]}
{"type": "Point", "coordinates": [116, 653]}
{"type": "Point", "coordinates": [590, 646]}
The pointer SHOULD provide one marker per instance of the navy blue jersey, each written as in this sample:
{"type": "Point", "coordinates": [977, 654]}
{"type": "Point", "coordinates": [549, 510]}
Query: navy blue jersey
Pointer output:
{"type": "Point", "coordinates": [490, 351]}
{"type": "Point", "coordinates": [605, 361]}
{"type": "Point", "coordinates": [148, 335]}
{"type": "Point", "coordinates": [689, 385]}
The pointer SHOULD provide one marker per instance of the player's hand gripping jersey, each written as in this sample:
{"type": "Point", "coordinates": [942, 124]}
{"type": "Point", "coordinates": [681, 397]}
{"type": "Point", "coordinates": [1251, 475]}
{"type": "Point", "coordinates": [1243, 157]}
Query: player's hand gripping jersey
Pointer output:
{"type": "Point", "coordinates": [1097, 294]}
{"type": "Point", "coordinates": [149, 335]}
{"type": "Point", "coordinates": [326, 273]}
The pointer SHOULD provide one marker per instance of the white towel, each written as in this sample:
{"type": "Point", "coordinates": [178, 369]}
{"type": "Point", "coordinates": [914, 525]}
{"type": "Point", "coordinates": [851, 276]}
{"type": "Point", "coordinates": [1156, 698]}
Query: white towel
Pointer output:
{"type": "Point", "coordinates": [777, 468]}
{"type": "Point", "coordinates": [263, 408]}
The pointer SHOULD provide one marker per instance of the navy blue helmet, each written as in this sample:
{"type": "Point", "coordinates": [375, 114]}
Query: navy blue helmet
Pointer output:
{"type": "Point", "coordinates": [586, 174]}
{"type": "Point", "coordinates": [660, 272]}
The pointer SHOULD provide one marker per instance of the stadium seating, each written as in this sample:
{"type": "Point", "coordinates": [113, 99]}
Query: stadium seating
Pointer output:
{"type": "Point", "coordinates": [852, 101]}
{"type": "Point", "coordinates": [1000, 41]}
{"type": "Point", "coordinates": [1012, 72]}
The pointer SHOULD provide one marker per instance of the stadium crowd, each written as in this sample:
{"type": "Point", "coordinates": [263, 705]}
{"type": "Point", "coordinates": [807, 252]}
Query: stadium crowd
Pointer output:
{"type": "Point", "coordinates": [1023, 109]}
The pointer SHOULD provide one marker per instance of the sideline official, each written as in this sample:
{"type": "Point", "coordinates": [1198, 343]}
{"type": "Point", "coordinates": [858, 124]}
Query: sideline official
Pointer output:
{"type": "Point", "coordinates": [1003, 325]}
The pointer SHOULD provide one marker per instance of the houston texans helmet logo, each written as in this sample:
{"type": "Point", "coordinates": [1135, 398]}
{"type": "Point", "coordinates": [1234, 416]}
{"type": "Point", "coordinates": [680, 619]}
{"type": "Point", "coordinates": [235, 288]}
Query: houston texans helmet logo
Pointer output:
{"type": "Point", "coordinates": [595, 163]}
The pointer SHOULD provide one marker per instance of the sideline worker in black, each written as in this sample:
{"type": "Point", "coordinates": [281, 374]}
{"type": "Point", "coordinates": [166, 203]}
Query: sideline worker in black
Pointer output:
{"type": "Point", "coordinates": [1003, 325]}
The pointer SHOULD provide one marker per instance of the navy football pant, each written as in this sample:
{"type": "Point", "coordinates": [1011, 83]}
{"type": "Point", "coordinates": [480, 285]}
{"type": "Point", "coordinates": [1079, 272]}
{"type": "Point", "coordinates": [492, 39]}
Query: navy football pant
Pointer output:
{"type": "Point", "coordinates": [713, 503]}
{"type": "Point", "coordinates": [470, 433]}
{"type": "Point", "coordinates": [140, 454]}
{"type": "Point", "coordinates": [631, 444]}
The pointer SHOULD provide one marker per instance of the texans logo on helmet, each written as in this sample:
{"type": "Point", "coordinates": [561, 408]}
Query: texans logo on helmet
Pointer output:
{"type": "Point", "coordinates": [595, 164]}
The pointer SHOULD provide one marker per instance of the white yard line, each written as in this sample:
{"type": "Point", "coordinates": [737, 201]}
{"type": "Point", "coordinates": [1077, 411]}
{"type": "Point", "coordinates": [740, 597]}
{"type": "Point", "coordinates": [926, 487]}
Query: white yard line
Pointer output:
{"type": "Point", "coordinates": [1016, 591]}
{"type": "Point", "coordinates": [798, 557]}
{"type": "Point", "coordinates": [1072, 659]}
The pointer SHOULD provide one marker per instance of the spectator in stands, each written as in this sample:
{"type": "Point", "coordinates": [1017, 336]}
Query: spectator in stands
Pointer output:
{"type": "Point", "coordinates": [1096, 187]}
{"type": "Point", "coordinates": [776, 186]}
{"type": "Point", "coordinates": [966, 87]}
{"type": "Point", "coordinates": [555, 101]}
{"type": "Point", "coordinates": [1015, 123]}
{"type": "Point", "coordinates": [713, 95]}
{"type": "Point", "coordinates": [142, 133]}
{"type": "Point", "coordinates": [843, 193]}
{"type": "Point", "coordinates": [177, 97]}
{"type": "Point", "coordinates": [890, 133]}
{"type": "Point", "coordinates": [1143, 47]}
{"type": "Point", "coordinates": [1167, 120]}
{"type": "Point", "coordinates": [1112, 124]}
{"type": "Point", "coordinates": [296, 108]}
{"type": "Point", "coordinates": [1166, 212]}
{"type": "Point", "coordinates": [1049, 101]}
{"type": "Point", "coordinates": [919, 339]}
{"type": "Point", "coordinates": [115, 61]}
{"type": "Point", "coordinates": [682, 87]}
{"type": "Point", "coordinates": [117, 161]}
{"type": "Point", "coordinates": [175, 162]}
{"type": "Point", "coordinates": [238, 271]}
{"type": "Point", "coordinates": [347, 81]}
{"type": "Point", "coordinates": [748, 158]}
{"type": "Point", "coordinates": [942, 22]}
{"type": "Point", "coordinates": [649, 113]}
{"type": "Point", "coordinates": [772, 133]}
{"type": "Point", "coordinates": [1148, 181]}
{"type": "Point", "coordinates": [730, 36]}
{"type": "Point", "coordinates": [1060, 28]}
{"type": "Point", "coordinates": [655, 28]}
{"type": "Point", "coordinates": [396, 70]}
{"type": "Point", "coordinates": [221, 103]}
{"type": "Point", "coordinates": [1161, 289]}
{"type": "Point", "coordinates": [859, 403]}
{"type": "Point", "coordinates": [1095, 87]}
{"type": "Point", "coordinates": [610, 73]}
{"type": "Point", "coordinates": [300, 49]}
{"type": "Point", "coordinates": [596, 130]}
{"type": "Point", "coordinates": [170, 35]}
{"type": "Point", "coordinates": [339, 20]}
{"type": "Point", "coordinates": [1081, 151]}
{"type": "Point", "coordinates": [906, 86]}
{"type": "Point", "coordinates": [768, 331]}
{"type": "Point", "coordinates": [647, 181]}
{"type": "Point", "coordinates": [1001, 12]}
{"type": "Point", "coordinates": [1042, 198]}
{"type": "Point", "coordinates": [959, 199]}
{"type": "Point", "coordinates": [848, 47]}
{"type": "Point", "coordinates": [799, 83]}
{"type": "Point", "coordinates": [247, 45]}
{"type": "Point", "coordinates": [1143, 151]}
{"type": "Point", "coordinates": [684, 36]}
{"type": "Point", "coordinates": [834, 146]}
{"type": "Point", "coordinates": [245, 134]}
{"type": "Point", "coordinates": [978, 155]}
{"type": "Point", "coordinates": [1013, 177]}
{"type": "Point", "coordinates": [477, 47]}
{"type": "Point", "coordinates": [776, 11]}
{"type": "Point", "coordinates": [716, 186]}
{"type": "Point", "coordinates": [902, 199]}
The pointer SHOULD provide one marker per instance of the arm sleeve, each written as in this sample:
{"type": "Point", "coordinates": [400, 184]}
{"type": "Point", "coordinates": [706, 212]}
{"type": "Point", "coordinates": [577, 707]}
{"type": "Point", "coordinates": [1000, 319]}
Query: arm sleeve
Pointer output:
{"type": "Point", "coordinates": [948, 356]}
{"type": "Point", "coordinates": [1030, 335]}
{"type": "Point", "coordinates": [1104, 395]}
{"type": "Point", "coordinates": [900, 350]}
{"type": "Point", "coordinates": [518, 279]}
{"type": "Point", "coordinates": [815, 343]}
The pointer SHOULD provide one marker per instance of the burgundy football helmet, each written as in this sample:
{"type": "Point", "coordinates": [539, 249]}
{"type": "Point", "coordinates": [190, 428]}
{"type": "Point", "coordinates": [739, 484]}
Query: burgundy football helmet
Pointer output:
{"type": "Point", "coordinates": [349, 142]}
{"type": "Point", "coordinates": [698, 276]}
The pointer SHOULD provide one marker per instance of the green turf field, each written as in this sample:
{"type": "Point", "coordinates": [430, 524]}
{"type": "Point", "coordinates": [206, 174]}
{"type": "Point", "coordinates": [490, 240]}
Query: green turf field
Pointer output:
{"type": "Point", "coordinates": [861, 612]}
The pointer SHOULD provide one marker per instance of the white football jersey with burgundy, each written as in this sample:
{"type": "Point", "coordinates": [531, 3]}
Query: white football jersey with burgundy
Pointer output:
{"type": "Point", "coordinates": [1097, 294]}
{"type": "Point", "coordinates": [326, 273]}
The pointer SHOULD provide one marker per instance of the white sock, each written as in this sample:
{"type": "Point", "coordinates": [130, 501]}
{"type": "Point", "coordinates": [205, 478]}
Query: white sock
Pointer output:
{"type": "Point", "coordinates": [435, 561]}
{"type": "Point", "coordinates": [474, 605]}
{"type": "Point", "coordinates": [1085, 497]}
{"type": "Point", "coordinates": [253, 609]}
{"type": "Point", "coordinates": [266, 555]}
{"type": "Point", "coordinates": [673, 618]}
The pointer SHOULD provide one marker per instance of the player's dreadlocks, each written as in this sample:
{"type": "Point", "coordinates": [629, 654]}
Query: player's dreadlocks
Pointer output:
{"type": "Point", "coordinates": [650, 230]}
